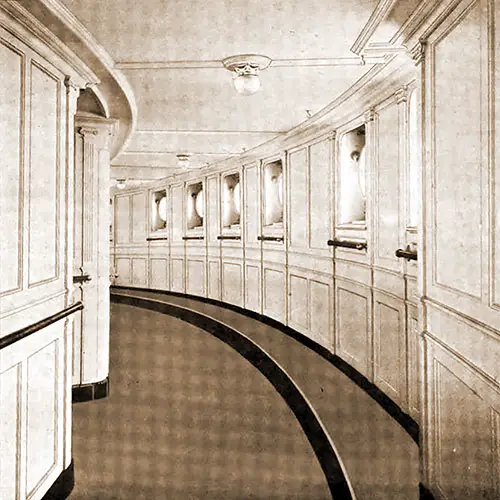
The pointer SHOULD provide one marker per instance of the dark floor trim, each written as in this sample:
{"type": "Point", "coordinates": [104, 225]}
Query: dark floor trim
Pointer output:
{"type": "Point", "coordinates": [63, 485]}
{"type": "Point", "coordinates": [392, 408]}
{"type": "Point", "coordinates": [425, 494]}
{"type": "Point", "coordinates": [304, 413]}
{"type": "Point", "coordinates": [90, 392]}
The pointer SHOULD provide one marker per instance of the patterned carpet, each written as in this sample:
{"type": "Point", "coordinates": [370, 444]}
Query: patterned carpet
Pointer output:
{"type": "Point", "coordinates": [187, 418]}
{"type": "Point", "coordinates": [381, 460]}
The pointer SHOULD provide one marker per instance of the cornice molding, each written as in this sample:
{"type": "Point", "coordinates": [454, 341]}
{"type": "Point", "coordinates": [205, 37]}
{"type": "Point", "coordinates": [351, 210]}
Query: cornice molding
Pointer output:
{"type": "Point", "coordinates": [209, 132]}
{"type": "Point", "coordinates": [80, 75]}
{"type": "Point", "coordinates": [80, 31]}
{"type": "Point", "coordinates": [276, 63]}
{"type": "Point", "coordinates": [376, 18]}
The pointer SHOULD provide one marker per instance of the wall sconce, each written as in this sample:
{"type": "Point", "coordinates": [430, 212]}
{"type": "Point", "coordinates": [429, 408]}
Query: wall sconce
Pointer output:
{"type": "Point", "coordinates": [121, 183]}
{"type": "Point", "coordinates": [245, 69]}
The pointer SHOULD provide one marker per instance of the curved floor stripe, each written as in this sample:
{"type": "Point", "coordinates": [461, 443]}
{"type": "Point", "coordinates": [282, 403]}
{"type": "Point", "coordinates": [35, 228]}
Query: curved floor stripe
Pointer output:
{"type": "Point", "coordinates": [389, 406]}
{"type": "Point", "coordinates": [314, 429]}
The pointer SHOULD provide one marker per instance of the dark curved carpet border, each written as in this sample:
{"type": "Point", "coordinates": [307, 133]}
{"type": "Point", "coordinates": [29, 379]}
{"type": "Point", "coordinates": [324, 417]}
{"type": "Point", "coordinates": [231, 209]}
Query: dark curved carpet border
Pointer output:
{"type": "Point", "coordinates": [304, 413]}
{"type": "Point", "coordinates": [392, 408]}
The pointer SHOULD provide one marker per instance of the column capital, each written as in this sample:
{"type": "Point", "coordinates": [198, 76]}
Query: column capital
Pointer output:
{"type": "Point", "coordinates": [401, 95]}
{"type": "Point", "coordinates": [369, 115]}
{"type": "Point", "coordinates": [417, 52]}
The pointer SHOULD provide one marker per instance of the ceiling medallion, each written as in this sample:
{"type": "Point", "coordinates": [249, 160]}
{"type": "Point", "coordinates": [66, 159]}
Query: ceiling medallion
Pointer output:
{"type": "Point", "coordinates": [245, 69]}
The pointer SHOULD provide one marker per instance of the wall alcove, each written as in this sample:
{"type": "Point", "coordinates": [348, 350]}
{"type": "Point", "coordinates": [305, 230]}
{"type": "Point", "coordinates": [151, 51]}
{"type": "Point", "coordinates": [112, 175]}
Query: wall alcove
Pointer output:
{"type": "Point", "coordinates": [195, 203]}
{"type": "Point", "coordinates": [353, 177]}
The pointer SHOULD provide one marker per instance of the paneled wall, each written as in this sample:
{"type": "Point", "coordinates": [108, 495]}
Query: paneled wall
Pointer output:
{"type": "Point", "coordinates": [36, 250]}
{"type": "Point", "coordinates": [354, 302]}
{"type": "Point", "coordinates": [461, 278]}
{"type": "Point", "coordinates": [426, 183]}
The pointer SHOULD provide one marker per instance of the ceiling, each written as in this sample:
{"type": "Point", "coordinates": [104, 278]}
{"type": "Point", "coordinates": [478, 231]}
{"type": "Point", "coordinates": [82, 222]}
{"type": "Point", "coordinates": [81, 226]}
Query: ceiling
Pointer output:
{"type": "Point", "coordinates": [170, 52]}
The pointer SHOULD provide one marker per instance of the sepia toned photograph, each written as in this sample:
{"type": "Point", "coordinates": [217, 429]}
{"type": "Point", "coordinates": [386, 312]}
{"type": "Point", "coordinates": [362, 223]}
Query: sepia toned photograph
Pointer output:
{"type": "Point", "coordinates": [249, 250]}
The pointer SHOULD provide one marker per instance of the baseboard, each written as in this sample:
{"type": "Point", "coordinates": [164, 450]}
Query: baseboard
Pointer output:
{"type": "Point", "coordinates": [425, 494]}
{"type": "Point", "coordinates": [392, 408]}
{"type": "Point", "coordinates": [63, 485]}
{"type": "Point", "coordinates": [90, 392]}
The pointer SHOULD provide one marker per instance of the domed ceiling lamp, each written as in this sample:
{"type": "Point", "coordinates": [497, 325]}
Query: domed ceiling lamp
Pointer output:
{"type": "Point", "coordinates": [121, 183]}
{"type": "Point", "coordinates": [245, 69]}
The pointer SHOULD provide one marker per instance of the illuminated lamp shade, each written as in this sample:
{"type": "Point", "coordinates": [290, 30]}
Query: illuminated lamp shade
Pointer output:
{"type": "Point", "coordinates": [245, 69]}
{"type": "Point", "coordinates": [246, 84]}
{"type": "Point", "coordinates": [121, 183]}
{"type": "Point", "coordinates": [162, 209]}
{"type": "Point", "coordinates": [200, 204]}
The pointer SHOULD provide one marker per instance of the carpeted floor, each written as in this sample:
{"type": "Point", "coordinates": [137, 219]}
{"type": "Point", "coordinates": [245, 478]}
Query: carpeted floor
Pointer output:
{"type": "Point", "coordinates": [187, 418]}
{"type": "Point", "coordinates": [381, 460]}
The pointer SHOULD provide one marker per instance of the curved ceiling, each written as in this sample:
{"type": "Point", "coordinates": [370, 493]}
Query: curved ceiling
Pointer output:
{"type": "Point", "coordinates": [170, 53]}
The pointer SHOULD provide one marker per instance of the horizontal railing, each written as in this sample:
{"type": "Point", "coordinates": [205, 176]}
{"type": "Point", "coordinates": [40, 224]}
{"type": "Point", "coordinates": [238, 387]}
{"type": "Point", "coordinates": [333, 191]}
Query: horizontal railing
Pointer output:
{"type": "Point", "coordinates": [228, 237]}
{"type": "Point", "coordinates": [193, 238]}
{"type": "Point", "coordinates": [14, 337]}
{"type": "Point", "coordinates": [270, 238]}
{"type": "Point", "coordinates": [356, 245]}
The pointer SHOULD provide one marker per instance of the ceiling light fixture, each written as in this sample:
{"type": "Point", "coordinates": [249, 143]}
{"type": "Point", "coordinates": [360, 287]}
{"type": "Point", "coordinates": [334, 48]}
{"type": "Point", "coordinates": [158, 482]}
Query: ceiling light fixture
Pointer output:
{"type": "Point", "coordinates": [182, 160]}
{"type": "Point", "coordinates": [245, 69]}
{"type": "Point", "coordinates": [121, 183]}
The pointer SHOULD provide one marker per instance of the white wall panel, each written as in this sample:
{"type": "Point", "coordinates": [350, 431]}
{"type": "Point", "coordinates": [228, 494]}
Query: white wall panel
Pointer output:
{"type": "Point", "coordinates": [43, 396]}
{"type": "Point", "coordinates": [389, 339]}
{"type": "Point", "coordinates": [320, 300]}
{"type": "Point", "coordinates": [457, 149]}
{"type": "Point", "coordinates": [139, 218]}
{"type": "Point", "coordinates": [159, 274]}
{"type": "Point", "coordinates": [44, 177]}
{"type": "Point", "coordinates": [388, 200]}
{"type": "Point", "coordinates": [10, 386]}
{"type": "Point", "coordinates": [214, 280]}
{"type": "Point", "coordinates": [298, 209]}
{"type": "Point", "coordinates": [232, 283]}
{"type": "Point", "coordinates": [177, 274]}
{"type": "Point", "coordinates": [11, 201]}
{"type": "Point", "coordinates": [195, 277]}
{"type": "Point", "coordinates": [123, 271]}
{"type": "Point", "coordinates": [299, 302]}
{"type": "Point", "coordinates": [122, 219]}
{"type": "Point", "coordinates": [353, 326]}
{"type": "Point", "coordinates": [274, 293]}
{"type": "Point", "coordinates": [321, 194]}
{"type": "Point", "coordinates": [252, 288]}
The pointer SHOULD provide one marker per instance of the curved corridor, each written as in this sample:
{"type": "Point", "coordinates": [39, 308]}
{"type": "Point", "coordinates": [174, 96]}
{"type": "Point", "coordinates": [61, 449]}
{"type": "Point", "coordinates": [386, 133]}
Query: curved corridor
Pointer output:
{"type": "Point", "coordinates": [187, 417]}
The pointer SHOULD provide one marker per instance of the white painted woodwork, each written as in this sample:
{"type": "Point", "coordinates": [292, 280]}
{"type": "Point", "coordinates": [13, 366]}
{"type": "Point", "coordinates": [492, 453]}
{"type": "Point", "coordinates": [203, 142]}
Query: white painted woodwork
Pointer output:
{"type": "Point", "coordinates": [462, 321]}
{"type": "Point", "coordinates": [251, 230]}
{"type": "Point", "coordinates": [427, 332]}
{"type": "Point", "coordinates": [159, 273]}
{"type": "Point", "coordinates": [353, 325]}
{"type": "Point", "coordinates": [91, 255]}
{"type": "Point", "coordinates": [11, 195]}
{"type": "Point", "coordinates": [36, 253]}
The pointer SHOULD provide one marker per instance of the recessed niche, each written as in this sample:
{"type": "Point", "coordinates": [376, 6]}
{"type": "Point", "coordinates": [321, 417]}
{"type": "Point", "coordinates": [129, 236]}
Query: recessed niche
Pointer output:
{"type": "Point", "coordinates": [273, 193]}
{"type": "Point", "coordinates": [195, 206]}
{"type": "Point", "coordinates": [231, 201]}
{"type": "Point", "coordinates": [158, 210]}
{"type": "Point", "coordinates": [353, 177]}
